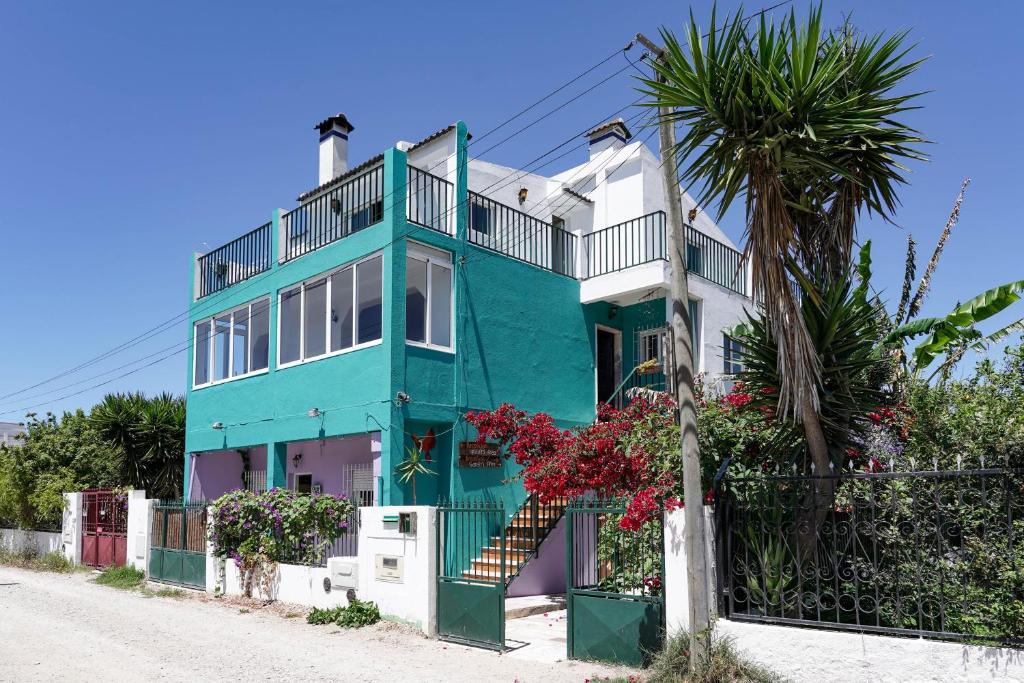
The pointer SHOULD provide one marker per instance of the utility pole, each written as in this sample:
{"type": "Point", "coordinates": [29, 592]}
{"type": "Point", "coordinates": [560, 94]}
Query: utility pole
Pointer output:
{"type": "Point", "coordinates": [683, 375]}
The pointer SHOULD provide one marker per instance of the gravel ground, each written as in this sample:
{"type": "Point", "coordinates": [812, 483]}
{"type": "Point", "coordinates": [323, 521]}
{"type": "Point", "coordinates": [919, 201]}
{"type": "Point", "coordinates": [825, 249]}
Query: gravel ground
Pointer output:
{"type": "Point", "coordinates": [65, 627]}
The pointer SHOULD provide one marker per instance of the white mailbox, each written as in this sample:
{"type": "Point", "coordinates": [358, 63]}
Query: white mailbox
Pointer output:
{"type": "Point", "coordinates": [344, 573]}
{"type": "Point", "coordinates": [388, 568]}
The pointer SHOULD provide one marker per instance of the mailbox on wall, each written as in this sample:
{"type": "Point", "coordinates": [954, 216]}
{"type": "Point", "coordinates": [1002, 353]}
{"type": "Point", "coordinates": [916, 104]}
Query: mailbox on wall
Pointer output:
{"type": "Point", "coordinates": [388, 568]}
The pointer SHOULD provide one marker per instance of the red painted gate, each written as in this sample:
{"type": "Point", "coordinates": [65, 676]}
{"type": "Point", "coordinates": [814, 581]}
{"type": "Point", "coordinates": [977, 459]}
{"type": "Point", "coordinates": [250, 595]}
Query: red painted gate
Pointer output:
{"type": "Point", "coordinates": [104, 528]}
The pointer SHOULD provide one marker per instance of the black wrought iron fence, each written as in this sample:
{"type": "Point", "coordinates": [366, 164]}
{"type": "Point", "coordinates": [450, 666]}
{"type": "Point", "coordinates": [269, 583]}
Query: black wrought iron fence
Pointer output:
{"type": "Point", "coordinates": [429, 201]}
{"type": "Point", "coordinates": [349, 207]}
{"type": "Point", "coordinates": [521, 236]}
{"type": "Point", "coordinates": [238, 260]}
{"type": "Point", "coordinates": [935, 554]}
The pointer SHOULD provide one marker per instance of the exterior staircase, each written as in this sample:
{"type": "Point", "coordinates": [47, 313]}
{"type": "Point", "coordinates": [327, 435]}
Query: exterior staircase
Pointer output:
{"type": "Point", "coordinates": [523, 536]}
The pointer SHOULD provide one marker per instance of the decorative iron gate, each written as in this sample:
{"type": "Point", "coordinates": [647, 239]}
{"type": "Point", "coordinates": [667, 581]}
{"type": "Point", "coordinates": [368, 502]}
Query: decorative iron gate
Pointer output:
{"type": "Point", "coordinates": [614, 584]}
{"type": "Point", "coordinates": [177, 552]}
{"type": "Point", "coordinates": [104, 528]}
{"type": "Point", "coordinates": [471, 576]}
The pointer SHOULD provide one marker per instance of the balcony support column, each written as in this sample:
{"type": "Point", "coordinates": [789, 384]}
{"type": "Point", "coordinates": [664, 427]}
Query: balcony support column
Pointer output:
{"type": "Point", "coordinates": [277, 465]}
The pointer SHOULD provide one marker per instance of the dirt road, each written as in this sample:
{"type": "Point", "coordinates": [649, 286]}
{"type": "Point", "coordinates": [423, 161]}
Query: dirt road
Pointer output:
{"type": "Point", "coordinates": [65, 627]}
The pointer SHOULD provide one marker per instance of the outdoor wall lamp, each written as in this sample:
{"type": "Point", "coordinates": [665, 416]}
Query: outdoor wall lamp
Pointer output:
{"type": "Point", "coordinates": [402, 397]}
{"type": "Point", "coordinates": [296, 459]}
{"type": "Point", "coordinates": [335, 205]}
{"type": "Point", "coordinates": [613, 311]}
{"type": "Point", "coordinates": [314, 412]}
{"type": "Point", "coordinates": [217, 425]}
{"type": "Point", "coordinates": [522, 194]}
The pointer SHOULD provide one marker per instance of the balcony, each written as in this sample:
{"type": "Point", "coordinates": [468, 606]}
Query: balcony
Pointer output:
{"type": "Point", "coordinates": [638, 249]}
{"type": "Point", "coordinates": [629, 256]}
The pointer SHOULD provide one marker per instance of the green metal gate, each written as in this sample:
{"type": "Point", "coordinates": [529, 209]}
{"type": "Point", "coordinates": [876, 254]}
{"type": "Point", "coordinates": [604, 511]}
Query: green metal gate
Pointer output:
{"type": "Point", "coordinates": [614, 584]}
{"type": "Point", "coordinates": [177, 552]}
{"type": "Point", "coordinates": [471, 573]}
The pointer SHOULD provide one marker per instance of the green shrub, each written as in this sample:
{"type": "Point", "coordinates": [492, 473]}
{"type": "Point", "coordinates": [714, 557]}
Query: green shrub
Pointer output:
{"type": "Point", "coordinates": [722, 663]}
{"type": "Point", "coordinates": [125, 578]}
{"type": "Point", "coordinates": [358, 613]}
{"type": "Point", "coordinates": [30, 559]}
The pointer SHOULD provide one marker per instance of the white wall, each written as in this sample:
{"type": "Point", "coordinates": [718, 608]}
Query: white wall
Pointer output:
{"type": "Point", "coordinates": [412, 600]}
{"type": "Point", "coordinates": [71, 527]}
{"type": "Point", "coordinates": [811, 654]}
{"type": "Point", "coordinates": [806, 654]}
{"type": "Point", "coordinates": [139, 528]}
{"type": "Point", "coordinates": [26, 540]}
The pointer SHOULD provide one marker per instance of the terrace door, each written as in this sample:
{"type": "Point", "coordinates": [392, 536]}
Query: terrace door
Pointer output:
{"type": "Point", "coordinates": [608, 363]}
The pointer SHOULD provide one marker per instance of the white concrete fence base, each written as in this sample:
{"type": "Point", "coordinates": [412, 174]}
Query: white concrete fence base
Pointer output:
{"type": "Point", "coordinates": [819, 654]}
{"type": "Point", "coordinates": [28, 541]}
{"type": "Point", "coordinates": [407, 594]}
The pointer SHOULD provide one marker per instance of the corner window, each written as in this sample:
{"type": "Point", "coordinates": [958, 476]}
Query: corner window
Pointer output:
{"type": "Point", "coordinates": [232, 344]}
{"type": "Point", "coordinates": [428, 297]}
{"type": "Point", "coordinates": [732, 353]}
{"type": "Point", "coordinates": [331, 313]}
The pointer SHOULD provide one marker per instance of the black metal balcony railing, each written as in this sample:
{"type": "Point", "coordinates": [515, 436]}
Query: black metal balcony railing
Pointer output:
{"type": "Point", "coordinates": [624, 245]}
{"type": "Point", "coordinates": [237, 260]}
{"type": "Point", "coordinates": [518, 235]}
{"type": "Point", "coordinates": [430, 201]}
{"type": "Point", "coordinates": [644, 240]}
{"type": "Point", "coordinates": [354, 205]}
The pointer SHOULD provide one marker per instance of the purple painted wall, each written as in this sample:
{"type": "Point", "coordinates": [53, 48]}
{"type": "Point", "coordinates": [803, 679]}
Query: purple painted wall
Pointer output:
{"type": "Point", "coordinates": [214, 473]}
{"type": "Point", "coordinates": [326, 460]}
{"type": "Point", "coordinates": [545, 573]}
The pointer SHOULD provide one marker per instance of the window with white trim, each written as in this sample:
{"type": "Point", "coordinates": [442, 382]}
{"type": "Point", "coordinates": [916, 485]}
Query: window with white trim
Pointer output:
{"type": "Point", "coordinates": [331, 313]}
{"type": "Point", "coordinates": [428, 297]}
{"type": "Point", "coordinates": [232, 344]}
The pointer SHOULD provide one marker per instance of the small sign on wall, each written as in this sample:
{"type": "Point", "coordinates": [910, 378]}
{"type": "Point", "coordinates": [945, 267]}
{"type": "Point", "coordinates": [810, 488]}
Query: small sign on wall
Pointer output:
{"type": "Point", "coordinates": [473, 454]}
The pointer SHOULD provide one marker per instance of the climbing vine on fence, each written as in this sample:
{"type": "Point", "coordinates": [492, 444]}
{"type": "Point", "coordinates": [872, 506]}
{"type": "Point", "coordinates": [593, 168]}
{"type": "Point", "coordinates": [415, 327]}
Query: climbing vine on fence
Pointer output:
{"type": "Point", "coordinates": [259, 530]}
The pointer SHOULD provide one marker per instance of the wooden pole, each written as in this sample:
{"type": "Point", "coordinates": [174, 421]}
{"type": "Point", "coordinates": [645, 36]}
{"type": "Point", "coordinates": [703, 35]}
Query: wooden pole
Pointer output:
{"type": "Point", "coordinates": [683, 375]}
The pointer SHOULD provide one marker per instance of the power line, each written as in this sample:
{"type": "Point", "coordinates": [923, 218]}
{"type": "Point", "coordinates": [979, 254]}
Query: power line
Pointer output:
{"type": "Point", "coordinates": [165, 325]}
{"type": "Point", "coordinates": [211, 308]}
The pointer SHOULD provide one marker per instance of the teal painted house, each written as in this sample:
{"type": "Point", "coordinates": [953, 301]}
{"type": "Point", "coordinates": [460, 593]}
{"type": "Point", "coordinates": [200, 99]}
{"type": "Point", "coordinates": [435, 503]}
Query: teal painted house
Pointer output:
{"type": "Point", "coordinates": [420, 284]}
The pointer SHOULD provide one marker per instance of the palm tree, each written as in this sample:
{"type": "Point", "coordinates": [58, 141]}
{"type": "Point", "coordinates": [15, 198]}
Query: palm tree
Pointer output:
{"type": "Point", "coordinates": [149, 435]}
{"type": "Point", "coordinates": [803, 122]}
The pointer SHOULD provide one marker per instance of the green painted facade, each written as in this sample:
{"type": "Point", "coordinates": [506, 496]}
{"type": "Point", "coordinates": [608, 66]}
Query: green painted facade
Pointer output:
{"type": "Point", "coordinates": [520, 336]}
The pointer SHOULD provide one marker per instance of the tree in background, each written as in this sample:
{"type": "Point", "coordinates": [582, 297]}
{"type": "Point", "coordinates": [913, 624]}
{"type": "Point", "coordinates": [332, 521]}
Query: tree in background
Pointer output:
{"type": "Point", "coordinates": [55, 456]}
{"type": "Point", "coordinates": [149, 437]}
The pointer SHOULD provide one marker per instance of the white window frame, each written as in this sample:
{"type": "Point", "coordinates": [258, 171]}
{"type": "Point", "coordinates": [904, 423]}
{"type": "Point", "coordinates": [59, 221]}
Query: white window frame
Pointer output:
{"type": "Point", "coordinates": [329, 277]}
{"type": "Point", "coordinates": [659, 337]}
{"type": "Point", "coordinates": [432, 257]}
{"type": "Point", "coordinates": [209, 320]}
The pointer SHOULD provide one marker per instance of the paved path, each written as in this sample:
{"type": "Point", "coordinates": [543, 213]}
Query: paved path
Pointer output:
{"type": "Point", "coordinates": [65, 627]}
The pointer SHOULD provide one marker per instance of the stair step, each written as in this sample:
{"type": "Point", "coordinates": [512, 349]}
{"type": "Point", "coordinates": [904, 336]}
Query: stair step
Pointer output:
{"type": "Point", "coordinates": [495, 564]}
{"type": "Point", "coordinates": [494, 552]}
{"type": "Point", "coordinates": [514, 542]}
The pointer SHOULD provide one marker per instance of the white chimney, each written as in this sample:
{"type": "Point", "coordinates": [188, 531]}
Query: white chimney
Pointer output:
{"type": "Point", "coordinates": [334, 132]}
{"type": "Point", "coordinates": [611, 135]}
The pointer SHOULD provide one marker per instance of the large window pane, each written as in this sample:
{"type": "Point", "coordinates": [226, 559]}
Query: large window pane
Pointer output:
{"type": "Point", "coordinates": [341, 310]}
{"type": "Point", "coordinates": [415, 300]}
{"type": "Point", "coordinates": [259, 335]}
{"type": "Point", "coordinates": [221, 349]}
{"type": "Point", "coordinates": [240, 342]}
{"type": "Point", "coordinates": [368, 278]}
{"type": "Point", "coordinates": [315, 319]}
{"type": "Point", "coordinates": [202, 353]}
{"type": "Point", "coordinates": [291, 318]}
{"type": "Point", "coordinates": [440, 305]}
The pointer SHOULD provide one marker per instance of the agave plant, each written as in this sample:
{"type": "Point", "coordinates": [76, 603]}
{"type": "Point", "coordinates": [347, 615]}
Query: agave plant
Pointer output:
{"type": "Point", "coordinates": [411, 467]}
{"type": "Point", "coordinates": [805, 124]}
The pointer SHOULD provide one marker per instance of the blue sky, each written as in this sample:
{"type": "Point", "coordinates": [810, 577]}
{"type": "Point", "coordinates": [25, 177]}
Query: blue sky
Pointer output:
{"type": "Point", "coordinates": [133, 134]}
